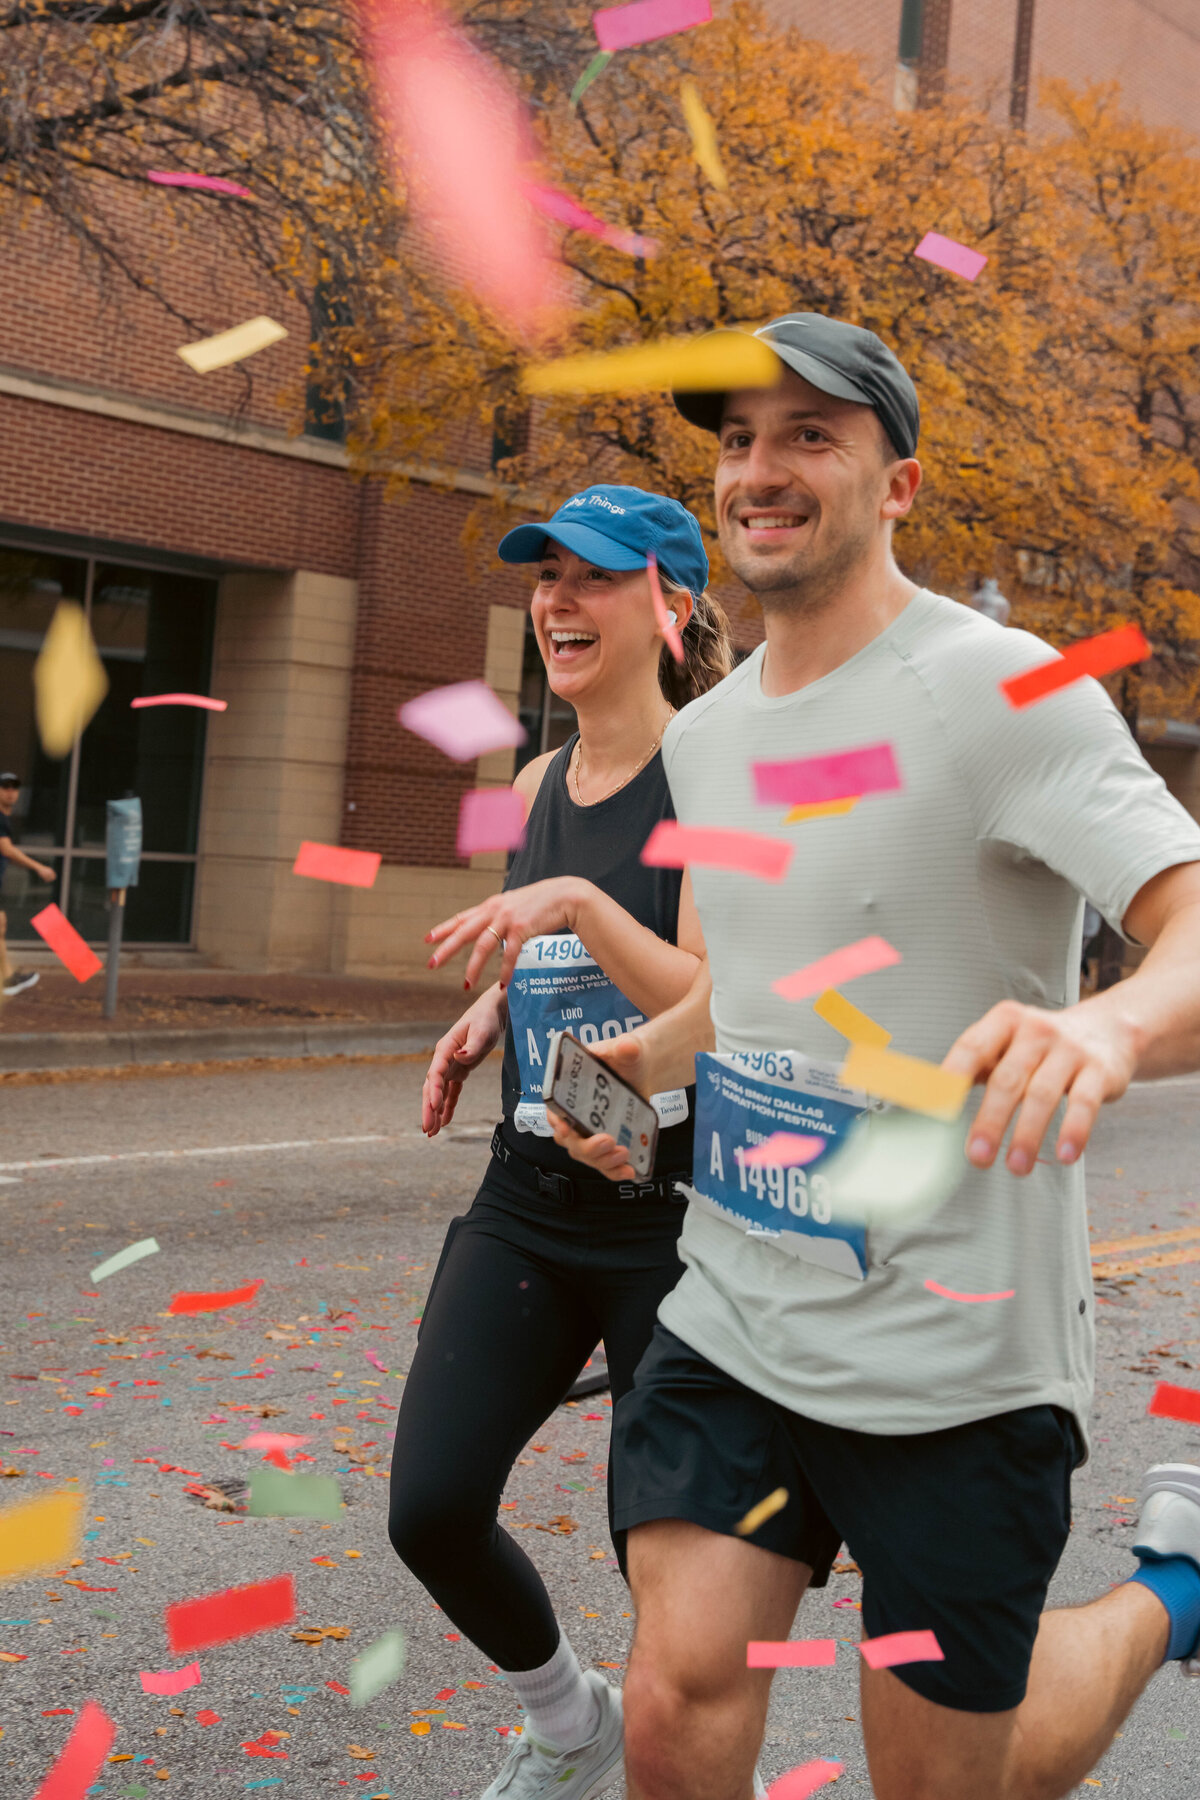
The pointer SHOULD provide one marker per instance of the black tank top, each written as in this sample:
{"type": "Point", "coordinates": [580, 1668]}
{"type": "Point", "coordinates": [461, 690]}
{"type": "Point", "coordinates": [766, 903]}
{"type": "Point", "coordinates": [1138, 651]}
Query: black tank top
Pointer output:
{"type": "Point", "coordinates": [602, 844]}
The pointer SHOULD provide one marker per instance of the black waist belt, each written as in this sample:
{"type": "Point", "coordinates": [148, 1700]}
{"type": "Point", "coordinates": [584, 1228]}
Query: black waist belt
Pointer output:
{"type": "Point", "coordinates": [584, 1190]}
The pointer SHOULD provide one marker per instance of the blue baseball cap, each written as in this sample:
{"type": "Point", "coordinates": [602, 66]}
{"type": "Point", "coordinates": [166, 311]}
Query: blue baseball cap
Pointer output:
{"type": "Point", "coordinates": [617, 528]}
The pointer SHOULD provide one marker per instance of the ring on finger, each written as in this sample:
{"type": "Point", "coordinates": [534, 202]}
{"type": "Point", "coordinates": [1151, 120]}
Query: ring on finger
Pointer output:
{"type": "Point", "coordinates": [495, 934]}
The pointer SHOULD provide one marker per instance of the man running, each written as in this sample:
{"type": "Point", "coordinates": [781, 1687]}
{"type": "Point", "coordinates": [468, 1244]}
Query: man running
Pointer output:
{"type": "Point", "coordinates": [936, 1438]}
{"type": "Point", "coordinates": [14, 981]}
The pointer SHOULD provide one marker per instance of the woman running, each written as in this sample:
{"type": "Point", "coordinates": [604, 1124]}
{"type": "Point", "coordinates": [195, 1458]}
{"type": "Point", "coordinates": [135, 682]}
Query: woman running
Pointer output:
{"type": "Point", "coordinates": [545, 1263]}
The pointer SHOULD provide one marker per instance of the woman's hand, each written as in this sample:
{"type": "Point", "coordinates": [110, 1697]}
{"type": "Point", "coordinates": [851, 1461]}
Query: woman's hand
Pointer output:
{"type": "Point", "coordinates": [462, 1049]}
{"type": "Point", "coordinates": [522, 913]}
{"type": "Point", "coordinates": [626, 1057]}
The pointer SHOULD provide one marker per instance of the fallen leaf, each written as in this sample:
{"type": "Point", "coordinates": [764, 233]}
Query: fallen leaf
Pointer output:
{"type": "Point", "coordinates": [357, 1750]}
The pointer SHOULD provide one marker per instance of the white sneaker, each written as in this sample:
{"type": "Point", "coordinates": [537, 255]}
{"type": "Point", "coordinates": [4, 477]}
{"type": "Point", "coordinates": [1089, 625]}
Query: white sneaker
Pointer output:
{"type": "Point", "coordinates": [760, 1786]}
{"type": "Point", "coordinates": [1169, 1522]}
{"type": "Point", "coordinates": [18, 981]}
{"type": "Point", "coordinates": [534, 1771]}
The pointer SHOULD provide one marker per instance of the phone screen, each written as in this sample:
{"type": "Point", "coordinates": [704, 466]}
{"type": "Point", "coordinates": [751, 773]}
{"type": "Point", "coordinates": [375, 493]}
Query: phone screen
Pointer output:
{"type": "Point", "coordinates": [590, 1097]}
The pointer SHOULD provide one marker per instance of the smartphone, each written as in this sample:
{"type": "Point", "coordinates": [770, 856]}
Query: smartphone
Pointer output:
{"type": "Point", "coordinates": [584, 1091]}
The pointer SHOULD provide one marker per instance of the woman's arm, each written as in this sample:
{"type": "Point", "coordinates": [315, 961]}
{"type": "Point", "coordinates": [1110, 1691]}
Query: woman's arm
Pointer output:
{"type": "Point", "coordinates": [649, 971]}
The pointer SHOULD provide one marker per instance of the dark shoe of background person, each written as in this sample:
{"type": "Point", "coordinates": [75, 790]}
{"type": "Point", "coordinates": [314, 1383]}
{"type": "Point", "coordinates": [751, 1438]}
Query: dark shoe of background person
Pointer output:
{"type": "Point", "coordinates": [19, 980]}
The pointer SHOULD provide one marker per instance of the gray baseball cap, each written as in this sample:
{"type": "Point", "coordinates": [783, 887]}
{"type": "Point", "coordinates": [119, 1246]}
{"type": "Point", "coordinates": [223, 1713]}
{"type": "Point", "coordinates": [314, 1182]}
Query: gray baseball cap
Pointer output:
{"type": "Point", "coordinates": [844, 360]}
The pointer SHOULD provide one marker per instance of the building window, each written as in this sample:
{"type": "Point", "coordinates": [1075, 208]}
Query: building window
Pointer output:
{"type": "Point", "coordinates": [325, 411]}
{"type": "Point", "coordinates": [923, 53]}
{"type": "Point", "coordinates": [510, 433]}
{"type": "Point", "coordinates": [153, 630]}
{"type": "Point", "coordinates": [548, 720]}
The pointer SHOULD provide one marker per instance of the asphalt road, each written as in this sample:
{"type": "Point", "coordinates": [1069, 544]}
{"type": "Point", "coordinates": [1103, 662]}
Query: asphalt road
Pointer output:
{"type": "Point", "coordinates": [317, 1182]}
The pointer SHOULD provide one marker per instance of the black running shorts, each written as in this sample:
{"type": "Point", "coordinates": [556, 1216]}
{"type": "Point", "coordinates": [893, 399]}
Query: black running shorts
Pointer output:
{"type": "Point", "coordinates": [956, 1531]}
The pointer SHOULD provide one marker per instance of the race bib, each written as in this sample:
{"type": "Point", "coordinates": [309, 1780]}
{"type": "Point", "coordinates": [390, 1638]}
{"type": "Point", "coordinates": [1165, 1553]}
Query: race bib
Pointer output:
{"type": "Point", "coordinates": [740, 1101]}
{"type": "Point", "coordinates": [558, 986]}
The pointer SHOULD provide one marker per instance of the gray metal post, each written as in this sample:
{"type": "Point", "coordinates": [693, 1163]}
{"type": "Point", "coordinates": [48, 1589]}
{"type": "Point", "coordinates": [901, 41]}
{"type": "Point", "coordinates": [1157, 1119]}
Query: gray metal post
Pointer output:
{"type": "Point", "coordinates": [116, 927]}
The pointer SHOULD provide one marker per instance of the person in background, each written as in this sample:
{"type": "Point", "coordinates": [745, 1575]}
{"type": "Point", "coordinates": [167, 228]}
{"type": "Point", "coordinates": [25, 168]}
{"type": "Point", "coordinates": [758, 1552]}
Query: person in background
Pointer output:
{"type": "Point", "coordinates": [546, 1262]}
{"type": "Point", "coordinates": [14, 981]}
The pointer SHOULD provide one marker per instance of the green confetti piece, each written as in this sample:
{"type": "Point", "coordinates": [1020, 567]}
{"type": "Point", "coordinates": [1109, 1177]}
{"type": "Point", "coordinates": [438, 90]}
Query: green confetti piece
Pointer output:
{"type": "Point", "coordinates": [596, 67]}
{"type": "Point", "coordinates": [274, 1495]}
{"type": "Point", "coordinates": [132, 1253]}
{"type": "Point", "coordinates": [380, 1664]}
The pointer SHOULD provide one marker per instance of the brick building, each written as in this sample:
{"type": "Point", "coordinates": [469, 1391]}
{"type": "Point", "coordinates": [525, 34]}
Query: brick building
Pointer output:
{"type": "Point", "coordinates": [221, 545]}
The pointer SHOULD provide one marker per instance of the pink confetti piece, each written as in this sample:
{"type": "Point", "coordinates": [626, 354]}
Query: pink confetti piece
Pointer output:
{"type": "Point", "coordinates": [816, 780]}
{"type": "Point", "coordinates": [799, 1783]}
{"type": "Point", "coordinates": [80, 1758]}
{"type": "Point", "coordinates": [490, 819]}
{"type": "Point", "coordinates": [863, 958]}
{"type": "Point", "coordinates": [901, 1647]}
{"type": "Point", "coordinates": [463, 138]}
{"type": "Point", "coordinates": [287, 1441]}
{"type": "Point", "coordinates": [56, 930]}
{"type": "Point", "coordinates": [783, 1150]}
{"type": "Point", "coordinates": [958, 258]}
{"type": "Point", "coordinates": [621, 27]}
{"type": "Point", "coordinates": [170, 1681]}
{"type": "Point", "coordinates": [328, 862]}
{"type": "Point", "coordinates": [809, 1653]}
{"type": "Point", "coordinates": [464, 720]}
{"type": "Point", "coordinates": [375, 1362]}
{"type": "Point", "coordinates": [564, 211]}
{"type": "Point", "coordinates": [214, 184]}
{"type": "Point", "coordinates": [935, 1287]}
{"type": "Point", "coordinates": [661, 615]}
{"type": "Point", "coordinates": [673, 846]}
{"type": "Point", "coordinates": [204, 700]}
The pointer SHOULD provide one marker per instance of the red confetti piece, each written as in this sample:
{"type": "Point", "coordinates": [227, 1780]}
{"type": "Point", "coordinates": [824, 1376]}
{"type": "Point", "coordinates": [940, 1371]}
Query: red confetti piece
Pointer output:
{"type": "Point", "coordinates": [901, 1647]}
{"type": "Point", "coordinates": [81, 1756]}
{"type": "Point", "coordinates": [810, 1653]}
{"type": "Point", "coordinates": [201, 700]}
{"type": "Point", "coordinates": [66, 943]}
{"type": "Point", "coordinates": [170, 1681]}
{"type": "Point", "coordinates": [661, 613]}
{"type": "Point", "coordinates": [208, 1717]}
{"type": "Point", "coordinates": [935, 1287]}
{"type": "Point", "coordinates": [799, 1783]}
{"type": "Point", "coordinates": [338, 1688]}
{"type": "Point", "coordinates": [565, 211]}
{"type": "Point", "coordinates": [1171, 1402]}
{"type": "Point", "coordinates": [673, 846]}
{"type": "Point", "coordinates": [233, 1613]}
{"type": "Point", "coordinates": [197, 1303]}
{"type": "Point", "coordinates": [326, 862]}
{"type": "Point", "coordinates": [1093, 656]}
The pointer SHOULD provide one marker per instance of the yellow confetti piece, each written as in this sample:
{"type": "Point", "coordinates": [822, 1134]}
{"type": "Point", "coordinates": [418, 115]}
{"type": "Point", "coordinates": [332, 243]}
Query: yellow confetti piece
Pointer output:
{"type": "Point", "coordinates": [68, 679]}
{"type": "Point", "coordinates": [231, 346]}
{"type": "Point", "coordinates": [906, 1081]}
{"type": "Point", "coordinates": [821, 809]}
{"type": "Point", "coordinates": [703, 134]}
{"type": "Point", "coordinates": [837, 1011]}
{"type": "Point", "coordinates": [718, 360]}
{"type": "Point", "coordinates": [39, 1534]}
{"type": "Point", "coordinates": [758, 1515]}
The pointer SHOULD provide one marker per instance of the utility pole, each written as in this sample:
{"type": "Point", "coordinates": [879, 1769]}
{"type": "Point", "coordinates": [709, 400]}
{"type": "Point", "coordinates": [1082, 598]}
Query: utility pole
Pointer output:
{"type": "Point", "coordinates": [1022, 65]}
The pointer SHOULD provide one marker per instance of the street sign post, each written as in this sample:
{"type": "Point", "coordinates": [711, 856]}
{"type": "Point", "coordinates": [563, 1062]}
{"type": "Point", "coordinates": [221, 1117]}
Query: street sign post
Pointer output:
{"type": "Point", "coordinates": [123, 852]}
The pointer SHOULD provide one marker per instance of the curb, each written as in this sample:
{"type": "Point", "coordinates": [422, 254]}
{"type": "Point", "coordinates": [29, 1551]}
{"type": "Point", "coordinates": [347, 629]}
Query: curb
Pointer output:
{"type": "Point", "coordinates": [37, 1051]}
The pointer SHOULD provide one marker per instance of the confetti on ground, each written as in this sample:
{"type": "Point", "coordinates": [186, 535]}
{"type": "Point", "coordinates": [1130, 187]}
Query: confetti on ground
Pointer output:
{"type": "Point", "coordinates": [758, 1515]}
{"type": "Point", "coordinates": [39, 1534]}
{"type": "Point", "coordinates": [799, 1783]}
{"type": "Point", "coordinates": [231, 346]}
{"type": "Point", "coordinates": [866, 957]}
{"type": "Point", "coordinates": [274, 1495]}
{"type": "Point", "coordinates": [71, 950]}
{"type": "Point", "coordinates": [673, 846]}
{"type": "Point", "coordinates": [233, 1613]}
{"type": "Point", "coordinates": [947, 253]}
{"type": "Point", "coordinates": [784, 1150]}
{"type": "Point", "coordinates": [69, 681]}
{"type": "Point", "coordinates": [717, 360]}
{"type": "Point", "coordinates": [703, 134]}
{"type": "Point", "coordinates": [935, 1287]}
{"type": "Point", "coordinates": [816, 780]}
{"type": "Point", "coordinates": [204, 701]}
{"type": "Point", "coordinates": [662, 613]}
{"type": "Point", "coordinates": [464, 720]}
{"type": "Point", "coordinates": [171, 1681]}
{"type": "Point", "coordinates": [490, 819]}
{"type": "Point", "coordinates": [564, 211]}
{"type": "Point", "coordinates": [906, 1081]}
{"type": "Point", "coordinates": [809, 1653]}
{"type": "Point", "coordinates": [197, 1303]}
{"type": "Point", "coordinates": [845, 1018]}
{"type": "Point", "coordinates": [213, 184]}
{"type": "Point", "coordinates": [329, 862]}
{"type": "Point", "coordinates": [80, 1759]}
{"type": "Point", "coordinates": [1096, 656]}
{"type": "Point", "coordinates": [380, 1664]}
{"type": "Point", "coordinates": [1172, 1402]}
{"type": "Point", "coordinates": [287, 1441]}
{"type": "Point", "coordinates": [621, 27]}
{"type": "Point", "coordinates": [132, 1253]}
{"type": "Point", "coordinates": [901, 1647]}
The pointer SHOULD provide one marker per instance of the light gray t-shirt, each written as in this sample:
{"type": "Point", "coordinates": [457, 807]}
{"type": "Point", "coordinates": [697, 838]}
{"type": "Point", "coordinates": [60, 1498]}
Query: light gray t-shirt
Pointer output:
{"type": "Point", "coordinates": [974, 871]}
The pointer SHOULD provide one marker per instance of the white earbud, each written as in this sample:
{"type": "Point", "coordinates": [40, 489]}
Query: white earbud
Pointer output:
{"type": "Point", "coordinates": [671, 619]}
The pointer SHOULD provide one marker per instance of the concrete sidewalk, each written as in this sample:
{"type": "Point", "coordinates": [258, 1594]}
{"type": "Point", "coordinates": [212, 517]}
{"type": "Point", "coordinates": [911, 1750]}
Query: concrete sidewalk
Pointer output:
{"type": "Point", "coordinates": [213, 1015]}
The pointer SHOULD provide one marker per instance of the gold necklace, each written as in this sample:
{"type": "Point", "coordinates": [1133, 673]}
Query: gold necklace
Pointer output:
{"type": "Point", "coordinates": [577, 761]}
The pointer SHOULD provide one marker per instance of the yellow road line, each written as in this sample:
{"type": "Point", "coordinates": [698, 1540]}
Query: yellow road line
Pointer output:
{"type": "Point", "coordinates": [1135, 1264]}
{"type": "Point", "coordinates": [1151, 1242]}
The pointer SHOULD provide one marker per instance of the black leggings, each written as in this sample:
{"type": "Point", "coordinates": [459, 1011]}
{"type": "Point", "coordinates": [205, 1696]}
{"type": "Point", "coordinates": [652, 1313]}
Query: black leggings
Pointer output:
{"type": "Point", "coordinates": [525, 1289]}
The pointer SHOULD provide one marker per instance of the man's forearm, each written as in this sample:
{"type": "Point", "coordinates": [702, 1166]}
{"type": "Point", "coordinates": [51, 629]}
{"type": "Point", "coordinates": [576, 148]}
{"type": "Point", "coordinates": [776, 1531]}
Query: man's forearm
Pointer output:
{"type": "Point", "coordinates": [672, 1041]}
{"type": "Point", "coordinates": [21, 860]}
{"type": "Point", "coordinates": [1160, 1002]}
